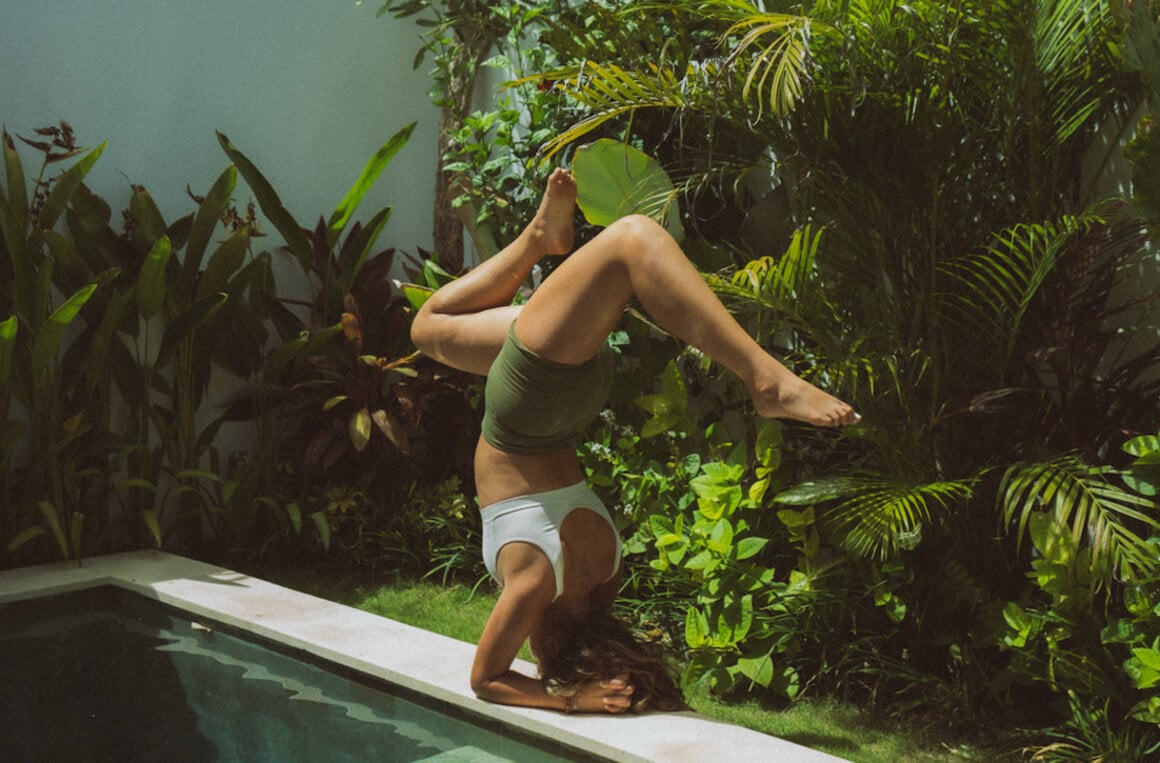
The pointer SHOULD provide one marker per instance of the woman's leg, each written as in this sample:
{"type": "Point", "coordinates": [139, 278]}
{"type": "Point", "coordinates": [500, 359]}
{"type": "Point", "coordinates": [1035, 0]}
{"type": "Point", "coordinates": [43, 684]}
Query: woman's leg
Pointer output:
{"type": "Point", "coordinates": [464, 324]}
{"type": "Point", "coordinates": [571, 314]}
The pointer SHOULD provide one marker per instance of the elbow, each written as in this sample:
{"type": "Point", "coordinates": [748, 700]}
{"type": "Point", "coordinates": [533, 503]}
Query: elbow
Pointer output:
{"type": "Point", "coordinates": [483, 688]}
{"type": "Point", "coordinates": [479, 688]}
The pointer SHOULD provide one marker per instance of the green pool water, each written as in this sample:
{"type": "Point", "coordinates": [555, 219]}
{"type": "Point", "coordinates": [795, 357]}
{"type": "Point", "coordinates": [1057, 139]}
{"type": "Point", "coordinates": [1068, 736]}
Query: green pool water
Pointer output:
{"type": "Point", "coordinates": [108, 675]}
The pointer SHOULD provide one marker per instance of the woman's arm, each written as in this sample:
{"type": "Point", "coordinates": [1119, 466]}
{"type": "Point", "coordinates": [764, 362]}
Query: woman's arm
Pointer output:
{"type": "Point", "coordinates": [529, 588]}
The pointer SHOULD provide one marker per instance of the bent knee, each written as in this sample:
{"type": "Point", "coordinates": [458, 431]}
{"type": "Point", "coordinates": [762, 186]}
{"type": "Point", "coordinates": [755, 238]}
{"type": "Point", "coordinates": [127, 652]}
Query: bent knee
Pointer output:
{"type": "Point", "coordinates": [637, 226]}
{"type": "Point", "coordinates": [423, 330]}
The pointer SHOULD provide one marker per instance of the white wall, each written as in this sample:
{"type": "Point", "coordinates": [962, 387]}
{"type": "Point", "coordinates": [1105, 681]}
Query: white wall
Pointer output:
{"type": "Point", "coordinates": [307, 89]}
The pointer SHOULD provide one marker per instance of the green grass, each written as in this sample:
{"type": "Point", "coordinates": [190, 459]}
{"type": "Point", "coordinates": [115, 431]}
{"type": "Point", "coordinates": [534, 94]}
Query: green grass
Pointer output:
{"type": "Point", "coordinates": [453, 611]}
{"type": "Point", "coordinates": [456, 611]}
{"type": "Point", "coordinates": [837, 728]}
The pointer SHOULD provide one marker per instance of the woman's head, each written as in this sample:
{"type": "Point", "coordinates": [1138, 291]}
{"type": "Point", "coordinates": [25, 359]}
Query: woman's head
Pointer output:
{"type": "Point", "coordinates": [574, 648]}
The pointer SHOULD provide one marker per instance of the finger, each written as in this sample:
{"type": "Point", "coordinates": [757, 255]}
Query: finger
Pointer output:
{"type": "Point", "coordinates": [616, 704]}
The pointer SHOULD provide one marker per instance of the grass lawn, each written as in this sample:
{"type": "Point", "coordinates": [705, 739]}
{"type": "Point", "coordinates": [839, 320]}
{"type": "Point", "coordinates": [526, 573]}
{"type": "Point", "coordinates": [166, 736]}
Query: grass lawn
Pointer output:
{"type": "Point", "coordinates": [456, 611]}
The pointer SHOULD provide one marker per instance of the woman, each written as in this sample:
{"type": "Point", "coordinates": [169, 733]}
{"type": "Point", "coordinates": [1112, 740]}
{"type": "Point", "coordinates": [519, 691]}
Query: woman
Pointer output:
{"type": "Point", "coordinates": [548, 540]}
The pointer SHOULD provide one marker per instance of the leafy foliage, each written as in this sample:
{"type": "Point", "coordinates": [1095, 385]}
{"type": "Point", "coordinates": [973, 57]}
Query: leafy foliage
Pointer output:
{"type": "Point", "coordinates": [909, 198]}
{"type": "Point", "coordinates": [109, 381]}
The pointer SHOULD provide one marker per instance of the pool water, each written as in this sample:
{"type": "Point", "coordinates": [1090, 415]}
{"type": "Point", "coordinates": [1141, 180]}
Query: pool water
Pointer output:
{"type": "Point", "coordinates": [105, 674]}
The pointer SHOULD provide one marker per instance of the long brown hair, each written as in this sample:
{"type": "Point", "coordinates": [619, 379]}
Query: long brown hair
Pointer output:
{"type": "Point", "coordinates": [599, 646]}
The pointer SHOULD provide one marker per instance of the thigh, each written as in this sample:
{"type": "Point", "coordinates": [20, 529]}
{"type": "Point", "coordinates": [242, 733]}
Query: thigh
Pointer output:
{"type": "Point", "coordinates": [571, 315]}
{"type": "Point", "coordinates": [468, 341]}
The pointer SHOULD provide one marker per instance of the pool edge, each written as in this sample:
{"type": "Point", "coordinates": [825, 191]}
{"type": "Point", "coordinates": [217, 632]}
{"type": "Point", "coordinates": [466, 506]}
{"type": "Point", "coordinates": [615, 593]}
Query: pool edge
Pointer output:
{"type": "Point", "coordinates": [418, 660]}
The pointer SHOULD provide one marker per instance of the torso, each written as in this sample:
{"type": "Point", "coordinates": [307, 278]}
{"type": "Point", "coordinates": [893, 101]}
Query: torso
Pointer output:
{"type": "Point", "coordinates": [589, 543]}
{"type": "Point", "coordinates": [500, 475]}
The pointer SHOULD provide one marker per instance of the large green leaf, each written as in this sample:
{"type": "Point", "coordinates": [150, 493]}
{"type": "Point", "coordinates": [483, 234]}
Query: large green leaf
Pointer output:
{"type": "Point", "coordinates": [151, 279]}
{"type": "Point", "coordinates": [100, 346]}
{"type": "Point", "coordinates": [47, 343]}
{"type": "Point", "coordinates": [148, 222]}
{"type": "Point", "coordinates": [271, 204]}
{"type": "Point", "coordinates": [208, 215]}
{"type": "Point", "coordinates": [346, 208]}
{"type": "Point", "coordinates": [12, 233]}
{"type": "Point", "coordinates": [357, 247]}
{"type": "Point", "coordinates": [65, 186]}
{"type": "Point", "coordinates": [8, 330]}
{"type": "Point", "coordinates": [14, 171]}
{"type": "Point", "coordinates": [615, 180]}
{"type": "Point", "coordinates": [72, 270]}
{"type": "Point", "coordinates": [817, 491]}
{"type": "Point", "coordinates": [223, 264]}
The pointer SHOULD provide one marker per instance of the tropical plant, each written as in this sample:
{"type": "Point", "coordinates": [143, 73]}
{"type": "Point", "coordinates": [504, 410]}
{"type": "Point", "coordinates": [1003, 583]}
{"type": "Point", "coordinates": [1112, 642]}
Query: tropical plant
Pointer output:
{"type": "Point", "coordinates": [461, 37]}
{"type": "Point", "coordinates": [109, 437]}
{"type": "Point", "coordinates": [43, 396]}
{"type": "Point", "coordinates": [951, 266]}
{"type": "Point", "coordinates": [340, 396]}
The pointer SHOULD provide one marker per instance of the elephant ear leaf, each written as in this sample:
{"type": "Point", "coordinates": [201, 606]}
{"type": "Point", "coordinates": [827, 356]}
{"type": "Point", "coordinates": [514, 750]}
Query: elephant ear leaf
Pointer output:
{"type": "Point", "coordinates": [616, 180]}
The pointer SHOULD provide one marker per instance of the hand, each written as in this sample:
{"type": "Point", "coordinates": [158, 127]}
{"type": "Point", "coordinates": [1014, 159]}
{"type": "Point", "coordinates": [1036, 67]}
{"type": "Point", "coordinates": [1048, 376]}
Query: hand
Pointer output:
{"type": "Point", "coordinates": [612, 695]}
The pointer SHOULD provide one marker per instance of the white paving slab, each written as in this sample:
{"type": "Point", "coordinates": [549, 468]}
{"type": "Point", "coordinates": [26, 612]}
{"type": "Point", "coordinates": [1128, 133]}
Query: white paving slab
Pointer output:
{"type": "Point", "coordinates": [416, 659]}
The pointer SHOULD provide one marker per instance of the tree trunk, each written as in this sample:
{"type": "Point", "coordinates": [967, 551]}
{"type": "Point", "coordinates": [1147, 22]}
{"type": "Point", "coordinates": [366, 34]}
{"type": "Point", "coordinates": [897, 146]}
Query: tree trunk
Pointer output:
{"type": "Point", "coordinates": [447, 232]}
{"type": "Point", "coordinates": [472, 44]}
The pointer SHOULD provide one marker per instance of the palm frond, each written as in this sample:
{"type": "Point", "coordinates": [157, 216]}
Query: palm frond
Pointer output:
{"type": "Point", "coordinates": [779, 66]}
{"type": "Point", "coordinates": [775, 284]}
{"type": "Point", "coordinates": [1114, 523]}
{"type": "Point", "coordinates": [608, 91]}
{"type": "Point", "coordinates": [885, 517]}
{"type": "Point", "coordinates": [1067, 37]}
{"type": "Point", "coordinates": [879, 517]}
{"type": "Point", "coordinates": [995, 287]}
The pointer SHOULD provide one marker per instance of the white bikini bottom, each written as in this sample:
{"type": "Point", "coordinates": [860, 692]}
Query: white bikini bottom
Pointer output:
{"type": "Point", "coordinates": [537, 519]}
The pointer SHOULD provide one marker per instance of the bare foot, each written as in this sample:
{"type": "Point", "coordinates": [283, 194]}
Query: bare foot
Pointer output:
{"type": "Point", "coordinates": [553, 222]}
{"type": "Point", "coordinates": [791, 397]}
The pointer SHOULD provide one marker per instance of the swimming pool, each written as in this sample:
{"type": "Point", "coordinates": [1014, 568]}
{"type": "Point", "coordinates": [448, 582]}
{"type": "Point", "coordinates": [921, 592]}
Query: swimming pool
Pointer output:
{"type": "Point", "coordinates": [105, 674]}
{"type": "Point", "coordinates": [376, 649]}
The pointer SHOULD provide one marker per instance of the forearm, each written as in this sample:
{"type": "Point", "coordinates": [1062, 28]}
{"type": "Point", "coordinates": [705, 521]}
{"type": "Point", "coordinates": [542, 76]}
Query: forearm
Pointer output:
{"type": "Point", "coordinates": [512, 688]}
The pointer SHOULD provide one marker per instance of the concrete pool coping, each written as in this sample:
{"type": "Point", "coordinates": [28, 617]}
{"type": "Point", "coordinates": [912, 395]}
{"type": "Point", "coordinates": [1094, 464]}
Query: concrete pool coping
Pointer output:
{"type": "Point", "coordinates": [418, 660]}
